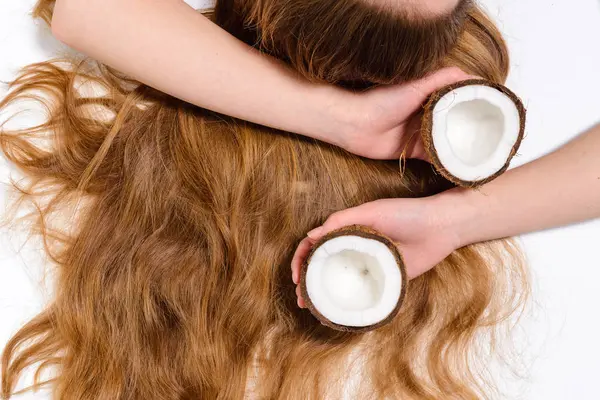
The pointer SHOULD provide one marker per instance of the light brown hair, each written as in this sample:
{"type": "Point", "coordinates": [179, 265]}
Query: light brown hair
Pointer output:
{"type": "Point", "coordinates": [173, 281]}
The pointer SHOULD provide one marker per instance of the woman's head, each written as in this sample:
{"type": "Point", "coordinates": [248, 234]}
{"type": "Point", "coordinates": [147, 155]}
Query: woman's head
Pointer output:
{"type": "Point", "coordinates": [176, 282]}
{"type": "Point", "coordinates": [352, 42]}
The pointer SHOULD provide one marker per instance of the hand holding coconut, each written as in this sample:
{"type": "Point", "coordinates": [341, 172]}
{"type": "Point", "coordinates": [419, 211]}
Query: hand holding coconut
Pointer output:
{"type": "Point", "coordinates": [386, 120]}
{"type": "Point", "coordinates": [353, 276]}
{"type": "Point", "coordinates": [419, 229]}
{"type": "Point", "coordinates": [560, 188]}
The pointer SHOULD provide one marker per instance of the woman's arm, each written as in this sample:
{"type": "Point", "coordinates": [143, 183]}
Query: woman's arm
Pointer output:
{"type": "Point", "coordinates": [168, 45]}
{"type": "Point", "coordinates": [560, 188]}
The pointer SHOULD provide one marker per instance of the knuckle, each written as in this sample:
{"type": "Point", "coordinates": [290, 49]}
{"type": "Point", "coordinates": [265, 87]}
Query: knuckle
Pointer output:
{"type": "Point", "coordinates": [334, 220]}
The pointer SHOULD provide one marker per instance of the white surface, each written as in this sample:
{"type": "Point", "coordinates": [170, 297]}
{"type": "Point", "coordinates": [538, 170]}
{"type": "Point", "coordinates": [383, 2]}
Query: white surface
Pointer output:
{"type": "Point", "coordinates": [475, 128]}
{"type": "Point", "coordinates": [555, 48]}
{"type": "Point", "coordinates": [347, 296]}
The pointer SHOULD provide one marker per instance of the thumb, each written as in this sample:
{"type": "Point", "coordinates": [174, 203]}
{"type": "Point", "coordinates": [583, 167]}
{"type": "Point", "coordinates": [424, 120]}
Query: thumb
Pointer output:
{"type": "Point", "coordinates": [360, 215]}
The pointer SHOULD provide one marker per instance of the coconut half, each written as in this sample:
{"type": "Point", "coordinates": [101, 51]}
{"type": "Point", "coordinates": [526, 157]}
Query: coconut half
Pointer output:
{"type": "Point", "coordinates": [354, 279]}
{"type": "Point", "coordinates": [472, 129]}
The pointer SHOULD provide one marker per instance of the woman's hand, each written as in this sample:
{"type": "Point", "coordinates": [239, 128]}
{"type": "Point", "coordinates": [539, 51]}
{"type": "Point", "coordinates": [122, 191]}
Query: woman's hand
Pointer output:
{"type": "Point", "coordinates": [421, 229]}
{"type": "Point", "coordinates": [386, 120]}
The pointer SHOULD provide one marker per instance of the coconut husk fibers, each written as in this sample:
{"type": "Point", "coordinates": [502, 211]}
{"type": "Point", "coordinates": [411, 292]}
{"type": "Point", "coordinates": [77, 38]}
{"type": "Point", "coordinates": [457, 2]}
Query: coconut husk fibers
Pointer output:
{"type": "Point", "coordinates": [367, 233]}
{"type": "Point", "coordinates": [427, 129]}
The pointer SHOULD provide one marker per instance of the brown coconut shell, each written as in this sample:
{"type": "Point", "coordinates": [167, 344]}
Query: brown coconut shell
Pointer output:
{"type": "Point", "coordinates": [427, 129]}
{"type": "Point", "coordinates": [368, 233]}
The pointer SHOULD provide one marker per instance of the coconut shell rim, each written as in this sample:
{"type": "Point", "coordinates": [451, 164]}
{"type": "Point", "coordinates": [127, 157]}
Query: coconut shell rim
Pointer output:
{"type": "Point", "coordinates": [367, 233]}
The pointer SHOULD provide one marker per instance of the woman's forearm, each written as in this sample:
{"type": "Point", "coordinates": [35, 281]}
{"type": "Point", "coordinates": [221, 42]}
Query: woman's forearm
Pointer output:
{"type": "Point", "coordinates": [168, 45]}
{"type": "Point", "coordinates": [560, 188]}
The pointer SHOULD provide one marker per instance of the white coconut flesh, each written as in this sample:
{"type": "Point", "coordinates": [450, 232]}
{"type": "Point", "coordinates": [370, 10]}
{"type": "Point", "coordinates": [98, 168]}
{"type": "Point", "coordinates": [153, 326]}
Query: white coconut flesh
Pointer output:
{"type": "Point", "coordinates": [474, 129]}
{"type": "Point", "coordinates": [353, 281]}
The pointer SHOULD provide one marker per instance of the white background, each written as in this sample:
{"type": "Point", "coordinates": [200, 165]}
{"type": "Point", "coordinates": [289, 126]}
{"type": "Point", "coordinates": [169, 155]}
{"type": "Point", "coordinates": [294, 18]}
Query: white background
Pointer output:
{"type": "Point", "coordinates": [555, 48]}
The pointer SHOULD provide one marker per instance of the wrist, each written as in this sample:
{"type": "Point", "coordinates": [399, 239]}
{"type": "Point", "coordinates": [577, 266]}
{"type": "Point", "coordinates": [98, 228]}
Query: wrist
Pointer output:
{"type": "Point", "coordinates": [331, 114]}
{"type": "Point", "coordinates": [338, 110]}
{"type": "Point", "coordinates": [459, 215]}
{"type": "Point", "coordinates": [295, 104]}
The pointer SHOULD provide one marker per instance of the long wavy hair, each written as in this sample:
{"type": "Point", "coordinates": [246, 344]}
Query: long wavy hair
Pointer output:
{"type": "Point", "coordinates": [171, 228]}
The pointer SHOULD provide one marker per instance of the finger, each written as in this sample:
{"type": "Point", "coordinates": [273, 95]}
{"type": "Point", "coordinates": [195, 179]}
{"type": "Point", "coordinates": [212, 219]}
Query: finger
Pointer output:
{"type": "Point", "coordinates": [418, 151]}
{"type": "Point", "coordinates": [413, 144]}
{"type": "Point", "coordinates": [300, 300]}
{"type": "Point", "coordinates": [360, 215]}
{"type": "Point", "coordinates": [422, 88]}
{"type": "Point", "coordinates": [300, 255]}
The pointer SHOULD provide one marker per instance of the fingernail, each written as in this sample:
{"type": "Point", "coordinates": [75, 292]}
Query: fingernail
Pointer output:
{"type": "Point", "coordinates": [315, 232]}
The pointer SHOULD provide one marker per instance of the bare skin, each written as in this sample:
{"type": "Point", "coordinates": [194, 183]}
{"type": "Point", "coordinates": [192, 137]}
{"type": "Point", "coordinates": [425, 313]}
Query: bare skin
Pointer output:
{"type": "Point", "coordinates": [560, 188]}
{"type": "Point", "coordinates": [169, 46]}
